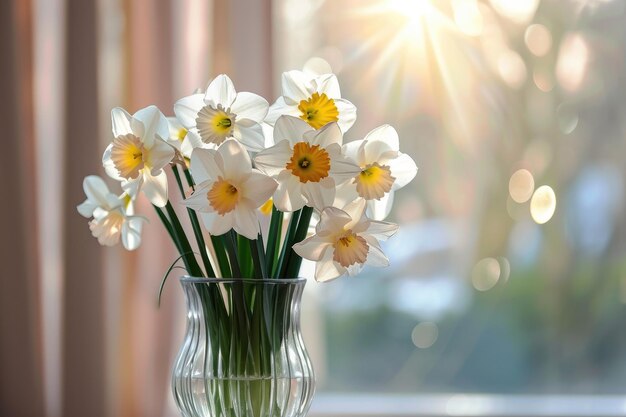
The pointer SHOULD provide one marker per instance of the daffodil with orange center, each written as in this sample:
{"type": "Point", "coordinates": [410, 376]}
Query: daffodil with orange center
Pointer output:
{"type": "Point", "coordinates": [308, 164]}
{"type": "Point", "coordinates": [228, 191]}
{"type": "Point", "coordinates": [344, 241]}
{"type": "Point", "coordinates": [384, 169]}
{"type": "Point", "coordinates": [314, 99]}
{"type": "Point", "coordinates": [138, 153]}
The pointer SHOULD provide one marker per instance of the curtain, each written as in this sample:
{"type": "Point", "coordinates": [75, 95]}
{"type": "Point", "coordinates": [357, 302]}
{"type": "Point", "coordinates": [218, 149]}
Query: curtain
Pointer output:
{"type": "Point", "coordinates": [80, 332]}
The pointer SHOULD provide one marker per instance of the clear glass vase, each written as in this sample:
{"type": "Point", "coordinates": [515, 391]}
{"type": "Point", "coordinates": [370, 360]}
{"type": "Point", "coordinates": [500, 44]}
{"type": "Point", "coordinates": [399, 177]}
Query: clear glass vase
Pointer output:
{"type": "Point", "coordinates": [243, 353]}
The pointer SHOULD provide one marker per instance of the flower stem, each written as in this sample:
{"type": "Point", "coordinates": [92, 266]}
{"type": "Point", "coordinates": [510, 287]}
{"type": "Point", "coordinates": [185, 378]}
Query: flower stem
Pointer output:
{"type": "Point", "coordinates": [294, 260]}
{"type": "Point", "coordinates": [197, 231]}
{"type": "Point", "coordinates": [185, 247]}
{"type": "Point", "coordinates": [273, 239]}
{"type": "Point", "coordinates": [281, 267]}
{"type": "Point", "coordinates": [230, 241]}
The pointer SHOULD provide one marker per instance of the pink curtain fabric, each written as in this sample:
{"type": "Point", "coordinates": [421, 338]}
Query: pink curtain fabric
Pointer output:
{"type": "Point", "coordinates": [113, 350]}
{"type": "Point", "coordinates": [21, 390]}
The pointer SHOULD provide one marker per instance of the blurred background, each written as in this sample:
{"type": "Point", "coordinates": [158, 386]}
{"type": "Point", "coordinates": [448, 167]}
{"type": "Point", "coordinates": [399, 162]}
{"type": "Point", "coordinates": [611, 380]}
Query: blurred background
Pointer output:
{"type": "Point", "coordinates": [507, 290]}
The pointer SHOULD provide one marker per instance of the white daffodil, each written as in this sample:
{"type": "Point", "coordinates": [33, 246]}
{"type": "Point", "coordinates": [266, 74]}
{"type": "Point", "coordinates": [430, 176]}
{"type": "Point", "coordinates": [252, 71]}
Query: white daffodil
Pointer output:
{"type": "Point", "coordinates": [112, 215]}
{"type": "Point", "coordinates": [344, 241]}
{"type": "Point", "coordinates": [307, 163]}
{"type": "Point", "coordinates": [315, 99]}
{"type": "Point", "coordinates": [228, 190]}
{"type": "Point", "coordinates": [384, 169]}
{"type": "Point", "coordinates": [222, 113]}
{"type": "Point", "coordinates": [138, 153]}
{"type": "Point", "coordinates": [181, 139]}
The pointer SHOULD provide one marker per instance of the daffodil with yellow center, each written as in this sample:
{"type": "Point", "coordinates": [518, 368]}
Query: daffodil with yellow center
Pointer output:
{"type": "Point", "coordinates": [223, 196]}
{"type": "Point", "coordinates": [345, 240]}
{"type": "Point", "coordinates": [138, 153]}
{"type": "Point", "coordinates": [315, 99]}
{"type": "Point", "coordinates": [228, 191]}
{"type": "Point", "coordinates": [222, 113]}
{"type": "Point", "coordinates": [384, 169]}
{"type": "Point", "coordinates": [307, 163]}
{"type": "Point", "coordinates": [374, 181]}
{"type": "Point", "coordinates": [113, 217]}
{"type": "Point", "coordinates": [183, 140]}
{"type": "Point", "coordinates": [215, 124]}
{"type": "Point", "coordinates": [127, 155]}
{"type": "Point", "coordinates": [318, 110]}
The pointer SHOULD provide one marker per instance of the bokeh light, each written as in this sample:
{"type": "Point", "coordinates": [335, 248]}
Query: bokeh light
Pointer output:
{"type": "Point", "coordinates": [538, 39]}
{"type": "Point", "coordinates": [572, 62]}
{"type": "Point", "coordinates": [512, 69]}
{"type": "Point", "coordinates": [425, 334]}
{"type": "Point", "coordinates": [543, 204]}
{"type": "Point", "coordinates": [521, 185]}
{"type": "Point", "coordinates": [467, 17]}
{"type": "Point", "coordinates": [485, 274]}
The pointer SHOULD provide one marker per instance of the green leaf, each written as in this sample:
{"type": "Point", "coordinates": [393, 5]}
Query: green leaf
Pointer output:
{"type": "Point", "coordinates": [167, 273]}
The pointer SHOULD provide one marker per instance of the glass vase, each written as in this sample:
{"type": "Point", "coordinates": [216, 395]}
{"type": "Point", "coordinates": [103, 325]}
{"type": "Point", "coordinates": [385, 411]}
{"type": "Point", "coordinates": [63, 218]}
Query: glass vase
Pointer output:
{"type": "Point", "coordinates": [243, 353]}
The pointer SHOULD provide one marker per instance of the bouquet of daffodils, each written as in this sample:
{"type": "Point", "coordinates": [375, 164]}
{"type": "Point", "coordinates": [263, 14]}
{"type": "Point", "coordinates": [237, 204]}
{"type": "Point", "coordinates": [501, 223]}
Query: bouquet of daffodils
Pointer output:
{"type": "Point", "coordinates": [235, 160]}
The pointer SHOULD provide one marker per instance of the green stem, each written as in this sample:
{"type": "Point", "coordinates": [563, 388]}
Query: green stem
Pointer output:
{"type": "Point", "coordinates": [197, 230]}
{"type": "Point", "coordinates": [281, 267]}
{"type": "Point", "coordinates": [273, 239]}
{"type": "Point", "coordinates": [258, 257]}
{"type": "Point", "coordinates": [294, 260]}
{"type": "Point", "coordinates": [220, 252]}
{"type": "Point", "coordinates": [230, 240]}
{"type": "Point", "coordinates": [185, 247]}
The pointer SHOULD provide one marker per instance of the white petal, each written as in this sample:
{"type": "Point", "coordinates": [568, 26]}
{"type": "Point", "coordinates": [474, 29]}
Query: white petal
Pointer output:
{"type": "Point", "coordinates": [120, 122]}
{"type": "Point", "coordinates": [280, 108]}
{"type": "Point", "coordinates": [355, 209]}
{"type": "Point", "coordinates": [292, 129]}
{"type": "Point", "coordinates": [328, 84]}
{"type": "Point", "coordinates": [250, 134]}
{"type": "Point", "coordinates": [381, 230]}
{"type": "Point", "coordinates": [332, 220]}
{"type": "Point", "coordinates": [250, 106]}
{"type": "Point", "coordinates": [96, 191]}
{"type": "Point", "coordinates": [192, 140]}
{"type": "Point", "coordinates": [319, 194]}
{"type": "Point", "coordinates": [246, 222]}
{"type": "Point", "coordinates": [351, 151]}
{"type": "Point", "coordinates": [312, 248]}
{"type": "Point", "coordinates": [272, 161]}
{"type": "Point", "coordinates": [220, 91]}
{"type": "Point", "coordinates": [199, 200]}
{"type": "Point", "coordinates": [159, 155]}
{"type": "Point", "coordinates": [221, 224]}
{"type": "Point", "coordinates": [133, 186]}
{"type": "Point", "coordinates": [403, 168]}
{"type": "Point", "coordinates": [380, 209]}
{"type": "Point", "coordinates": [131, 233]}
{"type": "Point", "coordinates": [154, 123]}
{"type": "Point", "coordinates": [296, 86]}
{"type": "Point", "coordinates": [386, 134]}
{"type": "Point", "coordinates": [187, 109]}
{"type": "Point", "coordinates": [288, 196]}
{"type": "Point", "coordinates": [341, 168]}
{"type": "Point", "coordinates": [258, 188]}
{"type": "Point", "coordinates": [86, 208]}
{"type": "Point", "coordinates": [375, 255]}
{"type": "Point", "coordinates": [325, 136]}
{"type": "Point", "coordinates": [155, 188]}
{"type": "Point", "coordinates": [209, 219]}
{"type": "Point", "coordinates": [377, 151]}
{"type": "Point", "coordinates": [347, 114]}
{"type": "Point", "coordinates": [327, 269]}
{"type": "Point", "coordinates": [236, 160]}
{"type": "Point", "coordinates": [203, 165]}
{"type": "Point", "coordinates": [346, 193]}
{"type": "Point", "coordinates": [109, 166]}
